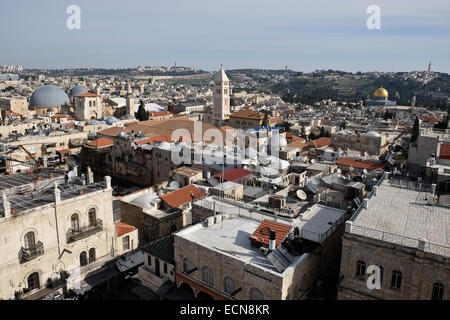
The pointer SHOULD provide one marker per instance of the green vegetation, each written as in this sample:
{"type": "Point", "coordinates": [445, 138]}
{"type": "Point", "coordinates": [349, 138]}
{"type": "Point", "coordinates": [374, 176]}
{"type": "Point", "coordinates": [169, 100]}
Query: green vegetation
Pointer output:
{"type": "Point", "coordinates": [142, 114]}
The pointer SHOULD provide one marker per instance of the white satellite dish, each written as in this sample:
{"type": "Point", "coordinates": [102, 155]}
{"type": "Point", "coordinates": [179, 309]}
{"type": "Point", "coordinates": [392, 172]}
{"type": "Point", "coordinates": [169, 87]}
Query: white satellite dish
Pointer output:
{"type": "Point", "coordinates": [71, 176]}
{"type": "Point", "coordinates": [301, 195]}
{"type": "Point", "coordinates": [246, 167]}
{"type": "Point", "coordinates": [174, 185]}
{"type": "Point", "coordinates": [365, 171]}
{"type": "Point", "coordinates": [339, 171]}
{"type": "Point", "coordinates": [315, 181]}
{"type": "Point", "coordinates": [313, 161]}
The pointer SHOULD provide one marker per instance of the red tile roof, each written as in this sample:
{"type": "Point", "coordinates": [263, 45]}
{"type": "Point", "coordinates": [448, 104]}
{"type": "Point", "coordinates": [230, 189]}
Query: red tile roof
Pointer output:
{"type": "Point", "coordinates": [183, 196]}
{"type": "Point", "coordinates": [160, 138]}
{"type": "Point", "coordinates": [359, 164]}
{"type": "Point", "coordinates": [321, 142]}
{"type": "Point", "coordinates": [159, 113]}
{"type": "Point", "coordinates": [101, 142]}
{"type": "Point", "coordinates": [233, 174]}
{"type": "Point", "coordinates": [248, 114]}
{"type": "Point", "coordinates": [430, 119]}
{"type": "Point", "coordinates": [123, 228]}
{"type": "Point", "coordinates": [261, 234]}
{"type": "Point", "coordinates": [445, 151]}
{"type": "Point", "coordinates": [63, 151]}
{"type": "Point", "coordinates": [88, 94]}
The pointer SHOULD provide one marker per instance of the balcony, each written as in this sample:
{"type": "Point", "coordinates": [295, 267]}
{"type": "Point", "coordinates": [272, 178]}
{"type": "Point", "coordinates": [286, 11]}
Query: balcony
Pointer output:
{"type": "Point", "coordinates": [84, 232]}
{"type": "Point", "coordinates": [28, 254]}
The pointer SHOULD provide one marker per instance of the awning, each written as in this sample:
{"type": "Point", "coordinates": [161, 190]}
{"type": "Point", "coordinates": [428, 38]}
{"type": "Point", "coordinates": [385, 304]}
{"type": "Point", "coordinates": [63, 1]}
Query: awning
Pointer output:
{"type": "Point", "coordinates": [130, 260]}
{"type": "Point", "coordinates": [94, 280]}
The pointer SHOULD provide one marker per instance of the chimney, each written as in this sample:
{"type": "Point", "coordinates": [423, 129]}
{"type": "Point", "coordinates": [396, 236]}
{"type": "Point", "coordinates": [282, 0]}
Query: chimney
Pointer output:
{"type": "Point", "coordinates": [348, 226]}
{"type": "Point", "coordinates": [108, 182]}
{"type": "Point", "coordinates": [422, 243]}
{"type": "Point", "coordinates": [433, 189]}
{"type": "Point", "coordinates": [75, 170]}
{"type": "Point", "coordinates": [90, 176]}
{"type": "Point", "coordinates": [6, 206]}
{"type": "Point", "coordinates": [57, 193]}
{"type": "Point", "coordinates": [272, 237]}
{"type": "Point", "coordinates": [366, 203]}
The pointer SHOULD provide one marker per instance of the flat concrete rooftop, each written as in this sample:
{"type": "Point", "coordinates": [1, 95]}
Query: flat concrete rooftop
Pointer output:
{"type": "Point", "coordinates": [401, 215]}
{"type": "Point", "coordinates": [231, 237]}
{"type": "Point", "coordinates": [37, 199]}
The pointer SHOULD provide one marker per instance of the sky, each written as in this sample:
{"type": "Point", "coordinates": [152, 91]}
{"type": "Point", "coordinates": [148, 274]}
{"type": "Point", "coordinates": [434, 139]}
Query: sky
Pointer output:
{"type": "Point", "coordinates": [304, 35]}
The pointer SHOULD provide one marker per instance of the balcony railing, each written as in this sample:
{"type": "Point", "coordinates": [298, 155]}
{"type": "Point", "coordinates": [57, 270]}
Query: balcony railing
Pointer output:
{"type": "Point", "coordinates": [84, 232]}
{"type": "Point", "coordinates": [28, 254]}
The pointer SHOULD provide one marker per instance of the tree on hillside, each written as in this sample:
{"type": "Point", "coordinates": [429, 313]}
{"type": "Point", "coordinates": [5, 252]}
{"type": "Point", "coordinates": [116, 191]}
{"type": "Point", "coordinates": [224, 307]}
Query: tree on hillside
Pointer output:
{"type": "Point", "coordinates": [142, 114]}
{"type": "Point", "coordinates": [286, 125]}
{"type": "Point", "coordinates": [415, 130]}
{"type": "Point", "coordinates": [265, 122]}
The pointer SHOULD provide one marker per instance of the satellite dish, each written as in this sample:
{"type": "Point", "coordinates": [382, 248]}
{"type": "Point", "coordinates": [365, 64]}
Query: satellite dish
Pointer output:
{"type": "Point", "coordinates": [339, 171]}
{"type": "Point", "coordinates": [301, 195]}
{"type": "Point", "coordinates": [174, 185]}
{"type": "Point", "coordinates": [313, 161]}
{"type": "Point", "coordinates": [315, 181]}
{"type": "Point", "coordinates": [71, 175]}
{"type": "Point", "coordinates": [365, 171]}
{"type": "Point", "coordinates": [246, 167]}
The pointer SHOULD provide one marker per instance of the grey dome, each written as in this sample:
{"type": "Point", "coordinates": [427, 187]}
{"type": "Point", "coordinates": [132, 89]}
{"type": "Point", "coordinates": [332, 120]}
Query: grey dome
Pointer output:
{"type": "Point", "coordinates": [49, 96]}
{"type": "Point", "coordinates": [77, 90]}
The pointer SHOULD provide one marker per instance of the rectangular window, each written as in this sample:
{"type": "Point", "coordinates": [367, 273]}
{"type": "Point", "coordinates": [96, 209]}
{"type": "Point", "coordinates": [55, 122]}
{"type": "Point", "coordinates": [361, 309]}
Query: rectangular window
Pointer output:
{"type": "Point", "coordinates": [165, 268]}
{"type": "Point", "coordinates": [149, 260]}
{"type": "Point", "coordinates": [126, 243]}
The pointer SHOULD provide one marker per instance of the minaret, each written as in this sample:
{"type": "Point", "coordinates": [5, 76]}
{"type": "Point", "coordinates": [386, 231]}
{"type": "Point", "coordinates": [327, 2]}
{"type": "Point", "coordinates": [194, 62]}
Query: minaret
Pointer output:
{"type": "Point", "coordinates": [221, 108]}
{"type": "Point", "coordinates": [129, 109]}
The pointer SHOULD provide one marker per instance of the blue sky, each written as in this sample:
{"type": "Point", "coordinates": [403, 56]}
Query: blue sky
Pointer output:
{"type": "Point", "coordinates": [305, 35]}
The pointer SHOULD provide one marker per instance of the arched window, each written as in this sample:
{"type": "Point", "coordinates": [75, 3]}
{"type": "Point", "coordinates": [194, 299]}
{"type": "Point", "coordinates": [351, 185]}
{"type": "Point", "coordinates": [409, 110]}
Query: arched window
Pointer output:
{"type": "Point", "coordinates": [92, 217]}
{"type": "Point", "coordinates": [360, 269]}
{"type": "Point", "coordinates": [74, 222]}
{"type": "Point", "coordinates": [229, 285]}
{"type": "Point", "coordinates": [187, 265]}
{"type": "Point", "coordinates": [207, 276]}
{"type": "Point", "coordinates": [256, 294]}
{"type": "Point", "coordinates": [438, 291]}
{"type": "Point", "coordinates": [83, 259]}
{"type": "Point", "coordinates": [30, 242]}
{"type": "Point", "coordinates": [396, 280]}
{"type": "Point", "coordinates": [33, 281]}
{"type": "Point", "coordinates": [91, 255]}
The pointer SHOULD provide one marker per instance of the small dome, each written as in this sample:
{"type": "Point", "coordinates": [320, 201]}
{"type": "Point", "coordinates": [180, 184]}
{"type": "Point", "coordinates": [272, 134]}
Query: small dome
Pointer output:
{"type": "Point", "coordinates": [77, 90]}
{"type": "Point", "coordinates": [371, 134]}
{"type": "Point", "coordinates": [381, 93]}
{"type": "Point", "coordinates": [49, 96]}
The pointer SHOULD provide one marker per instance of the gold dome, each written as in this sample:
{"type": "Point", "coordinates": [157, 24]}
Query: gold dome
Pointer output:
{"type": "Point", "coordinates": [381, 93]}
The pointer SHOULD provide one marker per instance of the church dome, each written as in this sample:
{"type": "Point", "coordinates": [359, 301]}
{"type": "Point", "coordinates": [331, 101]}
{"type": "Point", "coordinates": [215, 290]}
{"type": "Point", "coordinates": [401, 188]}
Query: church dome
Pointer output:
{"type": "Point", "coordinates": [49, 96]}
{"type": "Point", "coordinates": [381, 93]}
{"type": "Point", "coordinates": [77, 90]}
{"type": "Point", "coordinates": [371, 134]}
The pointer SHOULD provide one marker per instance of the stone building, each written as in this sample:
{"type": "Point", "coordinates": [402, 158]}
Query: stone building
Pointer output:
{"type": "Point", "coordinates": [371, 142]}
{"type": "Point", "coordinates": [54, 237]}
{"type": "Point", "coordinates": [399, 230]}
{"type": "Point", "coordinates": [227, 255]}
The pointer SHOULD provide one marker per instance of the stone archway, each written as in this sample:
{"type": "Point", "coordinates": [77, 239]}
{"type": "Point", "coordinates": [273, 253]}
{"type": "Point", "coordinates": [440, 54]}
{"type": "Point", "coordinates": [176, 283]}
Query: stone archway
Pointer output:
{"type": "Point", "coordinates": [185, 288]}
